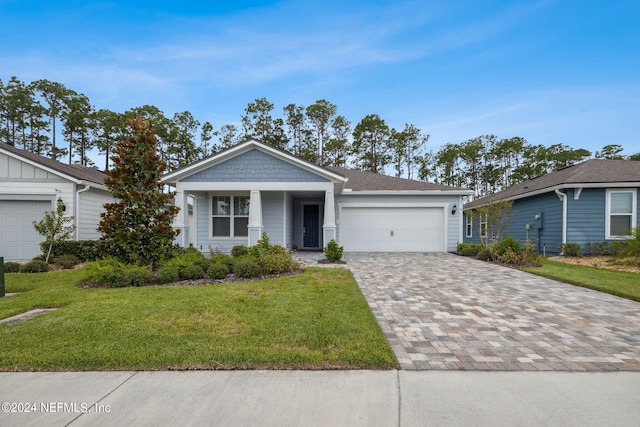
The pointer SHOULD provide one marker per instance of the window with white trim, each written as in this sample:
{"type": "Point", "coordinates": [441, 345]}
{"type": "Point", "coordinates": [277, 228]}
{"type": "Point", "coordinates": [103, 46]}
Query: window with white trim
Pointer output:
{"type": "Point", "coordinates": [469, 225]}
{"type": "Point", "coordinates": [229, 216]}
{"type": "Point", "coordinates": [483, 225]}
{"type": "Point", "coordinates": [621, 213]}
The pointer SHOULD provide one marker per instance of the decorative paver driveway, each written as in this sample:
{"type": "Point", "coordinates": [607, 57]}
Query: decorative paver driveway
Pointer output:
{"type": "Point", "coordinates": [442, 311]}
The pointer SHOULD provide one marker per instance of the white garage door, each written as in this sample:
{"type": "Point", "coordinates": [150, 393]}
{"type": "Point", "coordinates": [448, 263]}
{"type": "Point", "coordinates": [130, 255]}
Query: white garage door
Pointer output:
{"type": "Point", "coordinates": [392, 229]}
{"type": "Point", "coordinates": [19, 241]}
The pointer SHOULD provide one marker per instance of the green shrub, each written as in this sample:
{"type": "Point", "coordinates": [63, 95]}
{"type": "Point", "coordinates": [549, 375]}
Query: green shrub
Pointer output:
{"type": "Point", "coordinates": [167, 275]}
{"type": "Point", "coordinates": [85, 250]}
{"type": "Point", "coordinates": [530, 256]}
{"type": "Point", "coordinates": [247, 268]}
{"type": "Point", "coordinates": [509, 244]}
{"type": "Point", "coordinates": [333, 251]}
{"type": "Point", "coordinates": [223, 259]}
{"type": "Point", "coordinates": [193, 272]}
{"type": "Point", "coordinates": [630, 247]}
{"type": "Point", "coordinates": [485, 254]}
{"type": "Point", "coordinates": [570, 249]}
{"type": "Point", "coordinates": [11, 267]}
{"type": "Point", "coordinates": [67, 262]}
{"type": "Point", "coordinates": [184, 259]}
{"type": "Point", "coordinates": [202, 263]}
{"type": "Point", "coordinates": [218, 270]}
{"type": "Point", "coordinates": [136, 275]}
{"type": "Point", "coordinates": [108, 273]}
{"type": "Point", "coordinates": [239, 250]}
{"type": "Point", "coordinates": [468, 249]}
{"type": "Point", "coordinates": [511, 257]}
{"type": "Point", "coordinates": [36, 266]}
{"type": "Point", "coordinates": [597, 248]}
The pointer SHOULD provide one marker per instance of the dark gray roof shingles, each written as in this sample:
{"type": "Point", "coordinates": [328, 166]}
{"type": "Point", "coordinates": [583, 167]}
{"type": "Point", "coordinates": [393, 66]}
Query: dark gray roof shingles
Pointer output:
{"type": "Point", "coordinates": [594, 171]}
{"type": "Point", "coordinates": [369, 181]}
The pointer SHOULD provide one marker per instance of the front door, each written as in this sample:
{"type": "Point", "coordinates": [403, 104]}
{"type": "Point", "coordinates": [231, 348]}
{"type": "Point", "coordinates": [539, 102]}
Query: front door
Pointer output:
{"type": "Point", "coordinates": [311, 226]}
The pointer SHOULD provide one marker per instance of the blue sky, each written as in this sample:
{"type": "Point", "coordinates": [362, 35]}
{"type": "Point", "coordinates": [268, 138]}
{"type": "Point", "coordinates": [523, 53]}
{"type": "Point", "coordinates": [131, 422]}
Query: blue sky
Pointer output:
{"type": "Point", "coordinates": [550, 71]}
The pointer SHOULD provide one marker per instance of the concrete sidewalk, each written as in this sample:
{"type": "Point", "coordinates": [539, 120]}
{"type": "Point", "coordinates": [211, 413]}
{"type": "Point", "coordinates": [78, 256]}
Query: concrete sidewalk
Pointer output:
{"type": "Point", "coordinates": [321, 398]}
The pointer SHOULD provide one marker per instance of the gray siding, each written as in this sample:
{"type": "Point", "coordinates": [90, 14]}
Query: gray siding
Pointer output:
{"type": "Point", "coordinates": [90, 206]}
{"type": "Point", "coordinates": [586, 216]}
{"type": "Point", "coordinates": [273, 216]}
{"type": "Point", "coordinates": [16, 169]}
{"type": "Point", "coordinates": [254, 166]}
{"type": "Point", "coordinates": [289, 222]}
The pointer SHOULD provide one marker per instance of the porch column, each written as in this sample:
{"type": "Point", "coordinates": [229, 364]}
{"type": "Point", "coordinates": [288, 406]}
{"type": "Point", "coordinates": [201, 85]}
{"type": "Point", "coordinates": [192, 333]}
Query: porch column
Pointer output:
{"type": "Point", "coordinates": [181, 221]}
{"type": "Point", "coordinates": [255, 217]}
{"type": "Point", "coordinates": [329, 226]}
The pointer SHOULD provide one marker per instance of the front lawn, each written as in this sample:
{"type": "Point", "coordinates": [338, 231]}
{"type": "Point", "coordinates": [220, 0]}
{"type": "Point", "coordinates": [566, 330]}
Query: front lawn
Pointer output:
{"type": "Point", "coordinates": [621, 283]}
{"type": "Point", "coordinates": [314, 320]}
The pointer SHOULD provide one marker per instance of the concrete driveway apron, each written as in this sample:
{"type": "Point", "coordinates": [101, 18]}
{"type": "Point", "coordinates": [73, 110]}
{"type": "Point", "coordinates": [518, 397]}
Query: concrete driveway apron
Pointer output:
{"type": "Point", "coordinates": [442, 311]}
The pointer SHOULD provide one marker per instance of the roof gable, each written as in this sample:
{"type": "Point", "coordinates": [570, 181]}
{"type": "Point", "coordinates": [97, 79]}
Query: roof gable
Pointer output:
{"type": "Point", "coordinates": [242, 168]}
{"type": "Point", "coordinates": [592, 173]}
{"type": "Point", "coordinates": [254, 165]}
{"type": "Point", "coordinates": [70, 172]}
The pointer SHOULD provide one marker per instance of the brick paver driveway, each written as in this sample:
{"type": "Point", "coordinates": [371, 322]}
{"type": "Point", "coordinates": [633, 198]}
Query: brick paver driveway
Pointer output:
{"type": "Point", "coordinates": [441, 311]}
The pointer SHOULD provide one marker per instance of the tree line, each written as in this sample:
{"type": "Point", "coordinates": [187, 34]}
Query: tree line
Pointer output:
{"type": "Point", "coordinates": [49, 119]}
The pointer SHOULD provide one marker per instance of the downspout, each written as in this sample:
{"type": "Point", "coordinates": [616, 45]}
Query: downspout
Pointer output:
{"type": "Point", "coordinates": [562, 196]}
{"type": "Point", "coordinates": [77, 209]}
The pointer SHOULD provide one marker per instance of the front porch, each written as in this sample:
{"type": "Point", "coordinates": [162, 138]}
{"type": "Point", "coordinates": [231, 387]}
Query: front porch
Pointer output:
{"type": "Point", "coordinates": [297, 220]}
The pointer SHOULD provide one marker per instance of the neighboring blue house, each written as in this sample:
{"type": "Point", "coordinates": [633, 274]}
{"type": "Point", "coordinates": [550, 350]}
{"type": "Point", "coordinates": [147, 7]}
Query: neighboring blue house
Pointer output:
{"type": "Point", "coordinates": [253, 188]}
{"type": "Point", "coordinates": [591, 202]}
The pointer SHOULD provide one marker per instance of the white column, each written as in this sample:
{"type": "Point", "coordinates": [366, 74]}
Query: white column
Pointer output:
{"type": "Point", "coordinates": [329, 226]}
{"type": "Point", "coordinates": [255, 217]}
{"type": "Point", "coordinates": [181, 221]}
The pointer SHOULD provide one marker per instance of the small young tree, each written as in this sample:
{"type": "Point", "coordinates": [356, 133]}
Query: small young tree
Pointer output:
{"type": "Point", "coordinates": [54, 226]}
{"type": "Point", "coordinates": [137, 228]}
{"type": "Point", "coordinates": [493, 220]}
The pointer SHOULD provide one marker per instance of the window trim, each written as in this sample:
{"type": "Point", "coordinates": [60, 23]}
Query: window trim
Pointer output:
{"type": "Point", "coordinates": [483, 221]}
{"type": "Point", "coordinates": [232, 216]}
{"type": "Point", "coordinates": [608, 214]}
{"type": "Point", "coordinates": [469, 225]}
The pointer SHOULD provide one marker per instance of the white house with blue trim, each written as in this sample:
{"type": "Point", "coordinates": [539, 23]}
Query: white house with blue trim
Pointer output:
{"type": "Point", "coordinates": [252, 188]}
{"type": "Point", "coordinates": [591, 202]}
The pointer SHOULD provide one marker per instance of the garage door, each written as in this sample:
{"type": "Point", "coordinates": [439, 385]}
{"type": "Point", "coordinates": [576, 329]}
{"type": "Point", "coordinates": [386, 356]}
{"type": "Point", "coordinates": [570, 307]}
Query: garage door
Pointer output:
{"type": "Point", "coordinates": [19, 241]}
{"type": "Point", "coordinates": [392, 229]}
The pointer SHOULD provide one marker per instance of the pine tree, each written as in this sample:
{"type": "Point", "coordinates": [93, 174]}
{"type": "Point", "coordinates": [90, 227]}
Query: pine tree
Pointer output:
{"type": "Point", "coordinates": [137, 228]}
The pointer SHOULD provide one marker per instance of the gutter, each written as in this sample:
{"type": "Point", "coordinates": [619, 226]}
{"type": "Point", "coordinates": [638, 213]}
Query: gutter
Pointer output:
{"type": "Point", "coordinates": [77, 208]}
{"type": "Point", "coordinates": [562, 196]}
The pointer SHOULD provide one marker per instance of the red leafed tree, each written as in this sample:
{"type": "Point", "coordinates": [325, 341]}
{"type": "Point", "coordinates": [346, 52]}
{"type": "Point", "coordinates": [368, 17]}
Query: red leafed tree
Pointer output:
{"type": "Point", "coordinates": [137, 228]}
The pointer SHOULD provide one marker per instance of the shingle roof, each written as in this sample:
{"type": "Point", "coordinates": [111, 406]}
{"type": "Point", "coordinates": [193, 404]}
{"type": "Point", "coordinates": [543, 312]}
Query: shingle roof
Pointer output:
{"type": "Point", "coordinates": [74, 171]}
{"type": "Point", "coordinates": [369, 181]}
{"type": "Point", "coordinates": [594, 171]}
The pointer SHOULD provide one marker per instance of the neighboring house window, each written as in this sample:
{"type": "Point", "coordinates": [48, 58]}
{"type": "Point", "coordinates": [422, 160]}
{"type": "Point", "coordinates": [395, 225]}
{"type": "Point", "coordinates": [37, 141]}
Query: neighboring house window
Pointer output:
{"type": "Point", "coordinates": [469, 225]}
{"type": "Point", "coordinates": [230, 216]}
{"type": "Point", "coordinates": [483, 225]}
{"type": "Point", "coordinates": [621, 213]}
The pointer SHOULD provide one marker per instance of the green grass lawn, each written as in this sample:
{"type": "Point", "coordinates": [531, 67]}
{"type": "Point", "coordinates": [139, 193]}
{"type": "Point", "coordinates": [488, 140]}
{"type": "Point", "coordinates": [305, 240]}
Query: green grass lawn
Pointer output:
{"type": "Point", "coordinates": [621, 283]}
{"type": "Point", "coordinates": [315, 320]}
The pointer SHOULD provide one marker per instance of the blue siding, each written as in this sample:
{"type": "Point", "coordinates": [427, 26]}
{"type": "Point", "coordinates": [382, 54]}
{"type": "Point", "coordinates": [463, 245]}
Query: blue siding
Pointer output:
{"type": "Point", "coordinates": [545, 233]}
{"type": "Point", "coordinates": [586, 216]}
{"type": "Point", "coordinates": [254, 166]}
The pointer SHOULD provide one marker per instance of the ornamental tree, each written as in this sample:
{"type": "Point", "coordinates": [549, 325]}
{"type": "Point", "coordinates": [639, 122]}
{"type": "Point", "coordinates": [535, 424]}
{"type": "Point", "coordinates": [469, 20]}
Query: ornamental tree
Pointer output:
{"type": "Point", "coordinates": [137, 228]}
{"type": "Point", "coordinates": [54, 226]}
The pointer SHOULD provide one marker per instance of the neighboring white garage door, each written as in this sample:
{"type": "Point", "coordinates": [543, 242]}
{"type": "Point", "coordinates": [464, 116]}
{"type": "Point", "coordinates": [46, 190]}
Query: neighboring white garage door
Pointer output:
{"type": "Point", "coordinates": [19, 241]}
{"type": "Point", "coordinates": [392, 229]}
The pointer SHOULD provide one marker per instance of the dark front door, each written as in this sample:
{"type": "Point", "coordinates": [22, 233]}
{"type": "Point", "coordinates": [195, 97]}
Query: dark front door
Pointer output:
{"type": "Point", "coordinates": [311, 226]}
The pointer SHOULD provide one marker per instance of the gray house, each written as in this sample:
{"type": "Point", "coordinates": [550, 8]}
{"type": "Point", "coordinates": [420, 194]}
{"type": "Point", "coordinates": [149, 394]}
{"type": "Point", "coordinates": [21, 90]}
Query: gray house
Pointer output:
{"type": "Point", "coordinates": [253, 188]}
{"type": "Point", "coordinates": [30, 185]}
{"type": "Point", "coordinates": [591, 202]}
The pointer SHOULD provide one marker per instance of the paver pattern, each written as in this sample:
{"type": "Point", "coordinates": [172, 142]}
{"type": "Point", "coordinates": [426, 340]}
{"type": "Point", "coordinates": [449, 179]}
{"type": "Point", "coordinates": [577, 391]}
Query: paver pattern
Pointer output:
{"type": "Point", "coordinates": [442, 311]}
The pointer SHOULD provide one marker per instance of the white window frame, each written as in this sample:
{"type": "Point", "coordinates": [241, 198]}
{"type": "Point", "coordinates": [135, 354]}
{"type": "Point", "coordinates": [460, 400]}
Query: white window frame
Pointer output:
{"type": "Point", "coordinates": [633, 213]}
{"type": "Point", "coordinates": [469, 225]}
{"type": "Point", "coordinates": [482, 231]}
{"type": "Point", "coordinates": [232, 216]}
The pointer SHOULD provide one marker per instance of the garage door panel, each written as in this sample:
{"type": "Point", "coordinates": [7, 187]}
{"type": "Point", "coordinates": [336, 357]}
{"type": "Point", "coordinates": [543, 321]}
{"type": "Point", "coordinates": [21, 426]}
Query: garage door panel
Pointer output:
{"type": "Point", "coordinates": [392, 229]}
{"type": "Point", "coordinates": [19, 239]}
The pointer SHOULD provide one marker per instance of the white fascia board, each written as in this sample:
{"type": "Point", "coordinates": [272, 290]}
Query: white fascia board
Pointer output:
{"type": "Point", "coordinates": [261, 186]}
{"type": "Point", "coordinates": [563, 187]}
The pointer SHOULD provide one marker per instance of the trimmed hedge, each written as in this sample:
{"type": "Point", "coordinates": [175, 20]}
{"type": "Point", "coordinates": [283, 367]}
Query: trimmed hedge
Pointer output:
{"type": "Point", "coordinates": [85, 250]}
{"type": "Point", "coordinates": [35, 266]}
